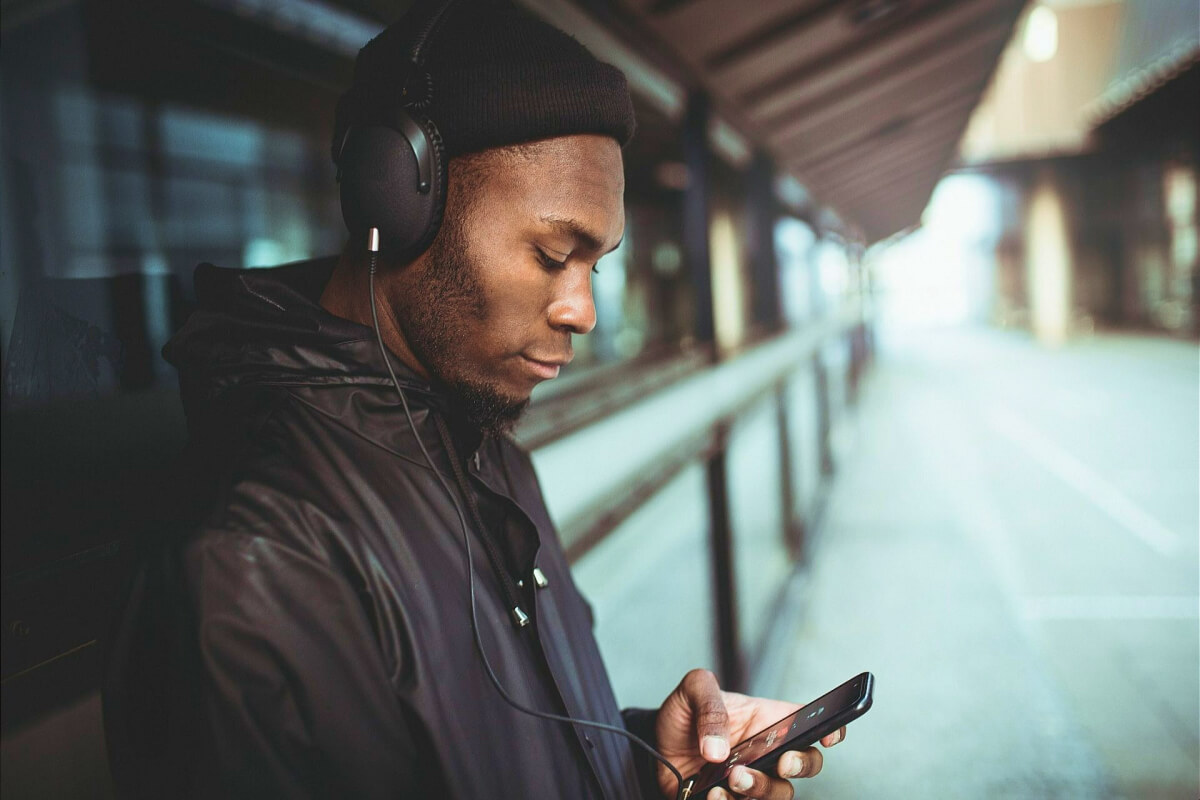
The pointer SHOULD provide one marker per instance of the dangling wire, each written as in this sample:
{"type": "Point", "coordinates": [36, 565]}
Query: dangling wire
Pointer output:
{"type": "Point", "coordinates": [372, 264]}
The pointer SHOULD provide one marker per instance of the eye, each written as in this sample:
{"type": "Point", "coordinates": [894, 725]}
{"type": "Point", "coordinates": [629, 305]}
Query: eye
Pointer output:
{"type": "Point", "coordinates": [548, 262]}
{"type": "Point", "coordinates": [552, 264]}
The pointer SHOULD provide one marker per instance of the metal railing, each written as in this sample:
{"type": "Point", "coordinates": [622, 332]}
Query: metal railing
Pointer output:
{"type": "Point", "coordinates": [598, 475]}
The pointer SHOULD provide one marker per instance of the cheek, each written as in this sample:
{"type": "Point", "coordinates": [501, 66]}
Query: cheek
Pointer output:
{"type": "Point", "coordinates": [515, 302]}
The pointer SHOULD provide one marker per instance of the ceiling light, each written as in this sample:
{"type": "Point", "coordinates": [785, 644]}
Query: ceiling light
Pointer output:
{"type": "Point", "coordinates": [1041, 34]}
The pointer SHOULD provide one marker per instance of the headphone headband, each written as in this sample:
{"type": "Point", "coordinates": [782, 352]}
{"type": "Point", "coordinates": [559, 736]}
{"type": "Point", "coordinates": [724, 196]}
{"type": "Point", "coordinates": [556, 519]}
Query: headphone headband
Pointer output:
{"type": "Point", "coordinates": [425, 35]}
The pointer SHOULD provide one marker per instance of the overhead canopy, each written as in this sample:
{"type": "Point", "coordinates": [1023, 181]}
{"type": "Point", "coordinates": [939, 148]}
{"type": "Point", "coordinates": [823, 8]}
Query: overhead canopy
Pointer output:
{"type": "Point", "coordinates": [1160, 40]}
{"type": "Point", "coordinates": [862, 100]}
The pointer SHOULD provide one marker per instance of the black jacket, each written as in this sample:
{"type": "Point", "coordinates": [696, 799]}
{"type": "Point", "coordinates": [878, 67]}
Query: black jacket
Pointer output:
{"type": "Point", "coordinates": [311, 635]}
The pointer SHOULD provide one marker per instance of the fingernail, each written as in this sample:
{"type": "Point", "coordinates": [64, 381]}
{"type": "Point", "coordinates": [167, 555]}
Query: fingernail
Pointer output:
{"type": "Point", "coordinates": [740, 780]}
{"type": "Point", "coordinates": [790, 765]}
{"type": "Point", "coordinates": [714, 748]}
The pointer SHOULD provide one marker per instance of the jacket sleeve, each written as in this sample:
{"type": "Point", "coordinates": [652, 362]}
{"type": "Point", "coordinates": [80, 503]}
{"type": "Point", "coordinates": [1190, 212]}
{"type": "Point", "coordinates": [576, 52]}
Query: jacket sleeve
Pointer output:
{"type": "Point", "coordinates": [295, 699]}
{"type": "Point", "coordinates": [640, 722]}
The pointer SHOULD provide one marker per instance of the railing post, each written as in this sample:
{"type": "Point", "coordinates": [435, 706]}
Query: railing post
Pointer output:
{"type": "Point", "coordinates": [792, 531]}
{"type": "Point", "coordinates": [824, 415]}
{"type": "Point", "coordinates": [696, 203]}
{"type": "Point", "coordinates": [731, 667]}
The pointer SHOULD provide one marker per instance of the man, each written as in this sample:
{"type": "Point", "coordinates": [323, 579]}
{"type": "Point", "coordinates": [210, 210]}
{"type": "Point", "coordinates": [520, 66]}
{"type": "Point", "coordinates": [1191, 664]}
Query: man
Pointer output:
{"type": "Point", "coordinates": [321, 632]}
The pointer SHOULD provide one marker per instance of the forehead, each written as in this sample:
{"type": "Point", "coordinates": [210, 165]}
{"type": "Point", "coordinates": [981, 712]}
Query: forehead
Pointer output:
{"type": "Point", "coordinates": [569, 177]}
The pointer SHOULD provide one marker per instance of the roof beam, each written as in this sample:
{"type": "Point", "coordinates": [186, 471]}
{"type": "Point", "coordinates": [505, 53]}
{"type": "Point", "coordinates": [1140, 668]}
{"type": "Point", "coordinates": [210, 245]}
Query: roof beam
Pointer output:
{"type": "Point", "coordinates": [882, 59]}
{"type": "Point", "coordinates": [901, 203]}
{"type": "Point", "coordinates": [878, 138]}
{"type": "Point", "coordinates": [856, 161]}
{"type": "Point", "coordinates": [878, 164]}
{"type": "Point", "coordinates": [662, 7]}
{"type": "Point", "coordinates": [968, 59]}
{"type": "Point", "coordinates": [774, 31]}
{"type": "Point", "coordinates": [827, 173]}
{"type": "Point", "coordinates": [874, 196]}
{"type": "Point", "coordinates": [868, 42]}
{"type": "Point", "coordinates": [902, 213]}
{"type": "Point", "coordinates": [909, 203]}
{"type": "Point", "coordinates": [893, 173]}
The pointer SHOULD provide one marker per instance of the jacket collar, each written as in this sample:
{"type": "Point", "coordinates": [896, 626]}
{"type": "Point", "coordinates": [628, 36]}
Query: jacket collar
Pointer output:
{"type": "Point", "coordinates": [260, 328]}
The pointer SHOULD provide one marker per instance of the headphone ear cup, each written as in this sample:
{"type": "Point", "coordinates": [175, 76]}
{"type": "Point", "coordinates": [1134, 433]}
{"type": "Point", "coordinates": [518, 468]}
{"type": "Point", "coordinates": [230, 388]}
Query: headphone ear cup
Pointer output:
{"type": "Point", "coordinates": [437, 188]}
{"type": "Point", "coordinates": [379, 187]}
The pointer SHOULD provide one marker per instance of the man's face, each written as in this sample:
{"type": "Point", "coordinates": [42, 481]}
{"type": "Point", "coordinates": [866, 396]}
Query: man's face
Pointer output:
{"type": "Point", "coordinates": [490, 309]}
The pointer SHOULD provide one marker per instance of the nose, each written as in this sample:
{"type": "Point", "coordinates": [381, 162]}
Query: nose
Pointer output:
{"type": "Point", "coordinates": [572, 310]}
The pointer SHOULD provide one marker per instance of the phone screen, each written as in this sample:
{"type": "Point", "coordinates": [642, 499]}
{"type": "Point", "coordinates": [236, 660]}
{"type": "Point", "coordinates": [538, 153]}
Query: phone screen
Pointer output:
{"type": "Point", "coordinates": [795, 731]}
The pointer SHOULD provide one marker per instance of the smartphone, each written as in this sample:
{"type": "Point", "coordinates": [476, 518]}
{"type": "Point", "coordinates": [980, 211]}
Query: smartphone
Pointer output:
{"type": "Point", "coordinates": [796, 731]}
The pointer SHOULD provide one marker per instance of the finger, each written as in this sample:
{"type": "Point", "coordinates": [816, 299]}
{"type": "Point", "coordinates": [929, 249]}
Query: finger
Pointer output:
{"type": "Point", "coordinates": [717, 793]}
{"type": "Point", "coordinates": [800, 763]}
{"type": "Point", "coordinates": [703, 695]}
{"type": "Point", "coordinates": [752, 783]}
{"type": "Point", "coordinates": [834, 738]}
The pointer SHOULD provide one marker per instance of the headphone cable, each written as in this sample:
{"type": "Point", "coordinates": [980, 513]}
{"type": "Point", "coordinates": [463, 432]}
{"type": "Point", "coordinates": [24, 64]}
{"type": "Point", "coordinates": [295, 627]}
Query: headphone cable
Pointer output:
{"type": "Point", "coordinates": [372, 263]}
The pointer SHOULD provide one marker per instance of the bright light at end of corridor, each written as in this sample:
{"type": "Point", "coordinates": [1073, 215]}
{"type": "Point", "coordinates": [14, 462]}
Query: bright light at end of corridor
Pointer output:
{"type": "Point", "coordinates": [940, 275]}
{"type": "Point", "coordinates": [1041, 34]}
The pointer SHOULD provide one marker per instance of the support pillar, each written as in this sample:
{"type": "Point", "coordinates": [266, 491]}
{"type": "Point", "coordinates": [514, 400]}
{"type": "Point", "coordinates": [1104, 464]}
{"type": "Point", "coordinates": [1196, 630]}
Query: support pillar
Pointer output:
{"type": "Point", "coordinates": [696, 204]}
{"type": "Point", "coordinates": [1048, 261]}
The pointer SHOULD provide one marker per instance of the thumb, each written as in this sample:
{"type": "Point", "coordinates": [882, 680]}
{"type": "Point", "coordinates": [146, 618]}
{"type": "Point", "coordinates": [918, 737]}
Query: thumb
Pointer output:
{"type": "Point", "coordinates": [703, 695]}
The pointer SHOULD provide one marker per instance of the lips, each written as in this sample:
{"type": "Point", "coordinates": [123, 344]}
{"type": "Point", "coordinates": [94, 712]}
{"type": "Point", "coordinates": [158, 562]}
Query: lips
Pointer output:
{"type": "Point", "coordinates": [545, 369]}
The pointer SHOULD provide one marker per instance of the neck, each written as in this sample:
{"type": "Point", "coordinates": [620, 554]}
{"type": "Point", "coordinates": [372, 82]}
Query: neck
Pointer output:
{"type": "Point", "coordinates": [347, 295]}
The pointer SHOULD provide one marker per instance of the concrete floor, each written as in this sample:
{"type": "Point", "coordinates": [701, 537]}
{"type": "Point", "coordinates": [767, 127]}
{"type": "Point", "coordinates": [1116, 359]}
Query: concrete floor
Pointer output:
{"type": "Point", "coordinates": [1011, 547]}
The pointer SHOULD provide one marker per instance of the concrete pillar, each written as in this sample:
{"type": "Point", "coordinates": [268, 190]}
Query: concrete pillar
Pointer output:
{"type": "Point", "coordinates": [761, 213]}
{"type": "Point", "coordinates": [1048, 261]}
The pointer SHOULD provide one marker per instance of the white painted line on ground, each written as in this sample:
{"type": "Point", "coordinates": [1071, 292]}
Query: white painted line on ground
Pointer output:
{"type": "Point", "coordinates": [1104, 495]}
{"type": "Point", "coordinates": [1111, 607]}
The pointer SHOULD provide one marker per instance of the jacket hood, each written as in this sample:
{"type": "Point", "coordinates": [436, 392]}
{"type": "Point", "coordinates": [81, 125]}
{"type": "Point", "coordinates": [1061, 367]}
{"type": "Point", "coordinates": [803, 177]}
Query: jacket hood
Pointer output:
{"type": "Point", "coordinates": [266, 327]}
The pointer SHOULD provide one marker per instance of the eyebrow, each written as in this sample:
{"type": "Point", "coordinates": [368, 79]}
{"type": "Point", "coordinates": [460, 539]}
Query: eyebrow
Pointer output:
{"type": "Point", "coordinates": [580, 232]}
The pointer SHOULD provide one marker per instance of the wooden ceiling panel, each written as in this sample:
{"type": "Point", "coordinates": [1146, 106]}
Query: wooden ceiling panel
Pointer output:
{"type": "Point", "coordinates": [869, 118]}
{"type": "Point", "coordinates": [828, 33]}
{"type": "Point", "coordinates": [898, 171]}
{"type": "Point", "coordinates": [863, 100]}
{"type": "Point", "coordinates": [908, 202]}
{"type": "Point", "coordinates": [865, 197]}
{"type": "Point", "coordinates": [954, 66]}
{"type": "Point", "coordinates": [878, 160]}
{"type": "Point", "coordinates": [913, 122]}
{"type": "Point", "coordinates": [883, 217]}
{"type": "Point", "coordinates": [692, 21]}
{"type": "Point", "coordinates": [905, 47]}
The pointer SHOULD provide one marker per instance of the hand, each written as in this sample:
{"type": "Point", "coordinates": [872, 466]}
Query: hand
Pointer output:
{"type": "Point", "coordinates": [697, 723]}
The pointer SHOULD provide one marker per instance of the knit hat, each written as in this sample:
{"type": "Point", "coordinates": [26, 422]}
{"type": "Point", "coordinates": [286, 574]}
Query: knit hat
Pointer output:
{"type": "Point", "coordinates": [493, 74]}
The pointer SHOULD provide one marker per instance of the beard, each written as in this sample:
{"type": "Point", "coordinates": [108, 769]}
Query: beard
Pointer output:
{"type": "Point", "coordinates": [435, 325]}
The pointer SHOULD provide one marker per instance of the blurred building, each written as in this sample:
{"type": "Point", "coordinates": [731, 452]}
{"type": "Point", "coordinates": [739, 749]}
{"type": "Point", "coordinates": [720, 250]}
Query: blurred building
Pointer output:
{"type": "Point", "coordinates": [1089, 134]}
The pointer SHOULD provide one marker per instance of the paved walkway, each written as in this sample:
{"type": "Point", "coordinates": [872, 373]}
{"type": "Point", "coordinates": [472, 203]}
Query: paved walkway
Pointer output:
{"type": "Point", "coordinates": [1011, 546]}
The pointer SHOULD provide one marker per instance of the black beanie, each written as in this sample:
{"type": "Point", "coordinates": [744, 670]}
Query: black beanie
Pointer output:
{"type": "Point", "coordinates": [496, 75]}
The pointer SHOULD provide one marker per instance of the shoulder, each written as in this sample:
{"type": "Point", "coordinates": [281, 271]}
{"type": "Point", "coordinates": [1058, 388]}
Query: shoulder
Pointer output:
{"type": "Point", "coordinates": [244, 564]}
{"type": "Point", "coordinates": [268, 489]}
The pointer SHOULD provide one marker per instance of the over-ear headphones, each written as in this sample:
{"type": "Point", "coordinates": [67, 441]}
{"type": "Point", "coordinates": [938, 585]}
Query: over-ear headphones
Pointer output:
{"type": "Point", "coordinates": [391, 162]}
